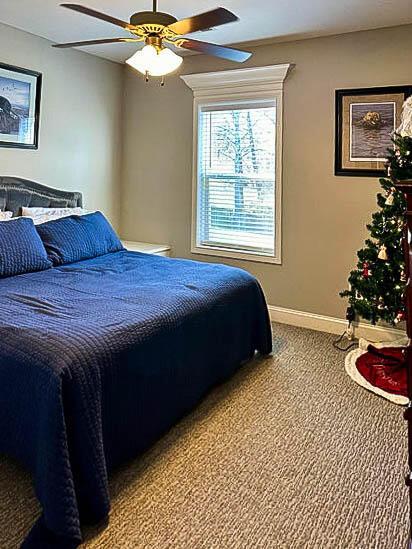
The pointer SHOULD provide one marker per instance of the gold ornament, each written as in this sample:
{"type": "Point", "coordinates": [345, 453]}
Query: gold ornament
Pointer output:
{"type": "Point", "coordinates": [383, 254]}
{"type": "Point", "coordinates": [390, 199]}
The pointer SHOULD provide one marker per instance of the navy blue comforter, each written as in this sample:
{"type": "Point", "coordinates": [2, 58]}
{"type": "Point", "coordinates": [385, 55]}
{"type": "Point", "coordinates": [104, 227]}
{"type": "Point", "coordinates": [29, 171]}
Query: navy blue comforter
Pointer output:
{"type": "Point", "coordinates": [99, 358]}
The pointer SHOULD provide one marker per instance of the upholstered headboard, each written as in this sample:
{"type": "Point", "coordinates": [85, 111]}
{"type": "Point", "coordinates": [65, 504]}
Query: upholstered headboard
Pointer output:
{"type": "Point", "coordinates": [16, 193]}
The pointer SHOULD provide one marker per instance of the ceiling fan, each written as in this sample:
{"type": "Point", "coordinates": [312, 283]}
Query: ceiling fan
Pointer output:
{"type": "Point", "coordinates": [154, 28]}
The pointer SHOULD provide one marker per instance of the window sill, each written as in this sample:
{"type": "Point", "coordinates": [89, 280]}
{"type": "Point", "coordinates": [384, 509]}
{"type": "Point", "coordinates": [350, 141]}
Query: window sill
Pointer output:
{"type": "Point", "coordinates": [241, 256]}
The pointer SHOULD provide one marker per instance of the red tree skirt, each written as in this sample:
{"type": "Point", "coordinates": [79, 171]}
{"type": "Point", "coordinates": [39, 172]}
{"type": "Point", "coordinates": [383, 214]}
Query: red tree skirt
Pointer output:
{"type": "Point", "coordinates": [382, 371]}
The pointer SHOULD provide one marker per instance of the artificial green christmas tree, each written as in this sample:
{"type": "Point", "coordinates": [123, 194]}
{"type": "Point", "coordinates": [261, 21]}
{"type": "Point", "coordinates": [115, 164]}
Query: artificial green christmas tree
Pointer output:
{"type": "Point", "coordinates": [377, 284]}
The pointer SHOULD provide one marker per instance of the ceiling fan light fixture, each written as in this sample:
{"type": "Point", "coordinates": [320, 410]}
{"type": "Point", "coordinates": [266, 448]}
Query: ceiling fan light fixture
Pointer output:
{"type": "Point", "coordinates": [155, 62]}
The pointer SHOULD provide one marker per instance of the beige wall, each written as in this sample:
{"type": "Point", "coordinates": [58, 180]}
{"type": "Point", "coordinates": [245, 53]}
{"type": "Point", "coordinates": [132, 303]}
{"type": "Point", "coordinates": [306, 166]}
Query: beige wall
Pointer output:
{"type": "Point", "coordinates": [323, 216]}
{"type": "Point", "coordinates": [80, 128]}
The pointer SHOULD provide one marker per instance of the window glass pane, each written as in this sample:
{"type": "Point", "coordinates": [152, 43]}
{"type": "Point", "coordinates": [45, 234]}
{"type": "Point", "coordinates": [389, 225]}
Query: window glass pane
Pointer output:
{"type": "Point", "coordinates": [236, 177]}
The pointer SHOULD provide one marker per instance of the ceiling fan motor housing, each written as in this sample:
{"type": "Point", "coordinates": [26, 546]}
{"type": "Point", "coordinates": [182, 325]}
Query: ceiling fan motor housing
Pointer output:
{"type": "Point", "coordinates": [152, 18]}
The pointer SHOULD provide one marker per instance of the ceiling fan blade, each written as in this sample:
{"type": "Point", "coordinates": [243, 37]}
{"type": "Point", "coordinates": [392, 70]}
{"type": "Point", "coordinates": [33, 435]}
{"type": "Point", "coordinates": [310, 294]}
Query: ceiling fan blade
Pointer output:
{"type": "Point", "coordinates": [213, 49]}
{"type": "Point", "coordinates": [207, 20]}
{"type": "Point", "coordinates": [98, 15]}
{"type": "Point", "coordinates": [93, 42]}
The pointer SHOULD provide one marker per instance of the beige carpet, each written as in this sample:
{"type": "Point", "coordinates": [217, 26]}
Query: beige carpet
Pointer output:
{"type": "Point", "coordinates": [289, 454]}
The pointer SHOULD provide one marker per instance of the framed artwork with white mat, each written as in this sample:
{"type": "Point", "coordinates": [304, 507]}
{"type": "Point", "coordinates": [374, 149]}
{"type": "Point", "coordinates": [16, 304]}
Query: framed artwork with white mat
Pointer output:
{"type": "Point", "coordinates": [366, 119]}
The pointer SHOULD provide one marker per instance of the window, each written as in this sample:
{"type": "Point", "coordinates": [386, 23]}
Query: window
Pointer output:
{"type": "Point", "coordinates": [236, 177]}
{"type": "Point", "coordinates": [237, 164]}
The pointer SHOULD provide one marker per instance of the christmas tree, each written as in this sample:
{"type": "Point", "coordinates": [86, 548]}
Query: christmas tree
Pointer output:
{"type": "Point", "coordinates": [377, 284]}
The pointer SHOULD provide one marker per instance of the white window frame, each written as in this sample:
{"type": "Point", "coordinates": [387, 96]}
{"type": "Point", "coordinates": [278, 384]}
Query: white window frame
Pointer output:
{"type": "Point", "coordinates": [217, 88]}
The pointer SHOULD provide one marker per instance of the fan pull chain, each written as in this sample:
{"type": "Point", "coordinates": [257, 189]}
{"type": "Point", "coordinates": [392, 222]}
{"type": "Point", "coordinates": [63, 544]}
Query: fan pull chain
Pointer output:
{"type": "Point", "coordinates": [147, 79]}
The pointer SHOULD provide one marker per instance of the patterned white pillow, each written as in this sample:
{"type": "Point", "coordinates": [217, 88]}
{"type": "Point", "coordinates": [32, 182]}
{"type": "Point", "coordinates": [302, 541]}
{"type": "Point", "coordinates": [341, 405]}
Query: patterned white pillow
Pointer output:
{"type": "Point", "coordinates": [4, 216]}
{"type": "Point", "coordinates": [42, 215]}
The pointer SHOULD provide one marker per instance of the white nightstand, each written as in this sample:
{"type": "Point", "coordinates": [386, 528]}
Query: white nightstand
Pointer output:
{"type": "Point", "coordinates": [147, 248]}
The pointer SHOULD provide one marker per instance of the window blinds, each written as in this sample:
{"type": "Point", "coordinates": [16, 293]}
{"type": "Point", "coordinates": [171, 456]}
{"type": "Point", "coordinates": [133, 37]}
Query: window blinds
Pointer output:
{"type": "Point", "coordinates": [236, 177]}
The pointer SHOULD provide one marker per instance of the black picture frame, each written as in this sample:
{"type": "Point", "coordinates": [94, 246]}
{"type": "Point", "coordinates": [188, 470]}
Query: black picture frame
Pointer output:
{"type": "Point", "coordinates": [37, 78]}
{"type": "Point", "coordinates": [406, 91]}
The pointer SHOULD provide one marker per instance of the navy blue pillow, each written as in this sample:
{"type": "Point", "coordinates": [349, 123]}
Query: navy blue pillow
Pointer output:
{"type": "Point", "coordinates": [21, 249]}
{"type": "Point", "coordinates": [78, 237]}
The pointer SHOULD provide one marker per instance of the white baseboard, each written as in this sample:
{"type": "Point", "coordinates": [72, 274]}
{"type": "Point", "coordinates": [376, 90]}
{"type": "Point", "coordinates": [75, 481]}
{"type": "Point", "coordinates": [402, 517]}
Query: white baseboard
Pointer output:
{"type": "Point", "coordinates": [332, 325]}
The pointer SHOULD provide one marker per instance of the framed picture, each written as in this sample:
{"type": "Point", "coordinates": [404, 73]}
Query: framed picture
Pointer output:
{"type": "Point", "coordinates": [20, 91]}
{"type": "Point", "coordinates": [365, 121]}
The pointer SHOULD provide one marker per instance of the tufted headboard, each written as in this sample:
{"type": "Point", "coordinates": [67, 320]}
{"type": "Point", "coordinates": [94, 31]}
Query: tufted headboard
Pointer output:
{"type": "Point", "coordinates": [16, 193]}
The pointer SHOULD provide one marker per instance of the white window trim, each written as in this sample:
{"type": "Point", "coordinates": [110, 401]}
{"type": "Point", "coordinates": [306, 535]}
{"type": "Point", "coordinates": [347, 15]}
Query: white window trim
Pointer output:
{"type": "Point", "coordinates": [239, 85]}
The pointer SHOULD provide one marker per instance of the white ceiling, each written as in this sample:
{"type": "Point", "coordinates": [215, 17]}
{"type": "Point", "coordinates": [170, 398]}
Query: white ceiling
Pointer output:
{"type": "Point", "coordinates": [259, 19]}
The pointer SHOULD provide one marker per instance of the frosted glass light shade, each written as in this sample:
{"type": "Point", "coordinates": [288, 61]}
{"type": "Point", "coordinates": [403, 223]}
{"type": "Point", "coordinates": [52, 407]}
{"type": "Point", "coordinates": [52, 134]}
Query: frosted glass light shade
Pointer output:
{"type": "Point", "coordinates": [155, 63]}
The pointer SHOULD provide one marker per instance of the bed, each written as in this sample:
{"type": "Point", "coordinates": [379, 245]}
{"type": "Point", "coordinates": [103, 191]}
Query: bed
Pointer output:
{"type": "Point", "coordinates": [98, 358]}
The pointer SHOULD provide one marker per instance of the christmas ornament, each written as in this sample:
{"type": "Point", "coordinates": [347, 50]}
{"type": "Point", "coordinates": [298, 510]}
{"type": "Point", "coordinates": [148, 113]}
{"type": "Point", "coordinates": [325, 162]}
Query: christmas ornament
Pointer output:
{"type": "Point", "coordinates": [399, 317]}
{"type": "Point", "coordinates": [366, 271]}
{"type": "Point", "coordinates": [383, 253]}
{"type": "Point", "coordinates": [389, 200]}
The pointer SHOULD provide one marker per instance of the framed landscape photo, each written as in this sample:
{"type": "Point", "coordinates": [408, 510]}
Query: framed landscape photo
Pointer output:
{"type": "Point", "coordinates": [365, 121]}
{"type": "Point", "coordinates": [20, 91]}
